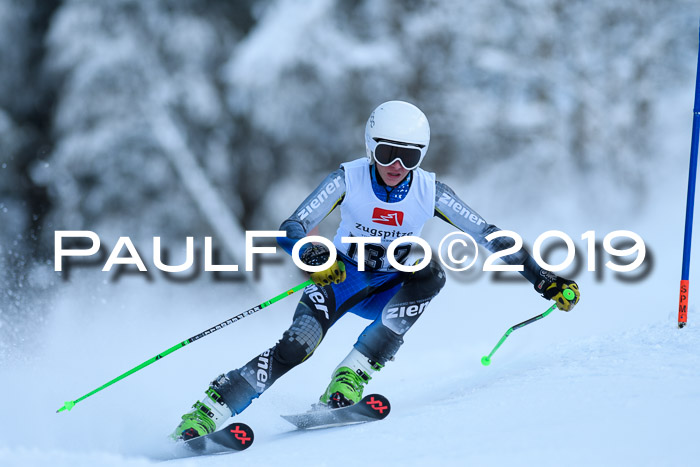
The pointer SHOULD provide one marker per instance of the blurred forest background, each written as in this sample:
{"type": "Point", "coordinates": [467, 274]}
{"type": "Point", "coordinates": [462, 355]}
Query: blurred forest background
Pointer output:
{"type": "Point", "coordinates": [179, 118]}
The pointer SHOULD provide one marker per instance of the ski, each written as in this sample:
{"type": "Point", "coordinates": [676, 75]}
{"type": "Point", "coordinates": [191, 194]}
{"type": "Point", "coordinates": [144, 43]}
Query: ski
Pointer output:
{"type": "Point", "coordinates": [371, 408]}
{"type": "Point", "coordinates": [235, 437]}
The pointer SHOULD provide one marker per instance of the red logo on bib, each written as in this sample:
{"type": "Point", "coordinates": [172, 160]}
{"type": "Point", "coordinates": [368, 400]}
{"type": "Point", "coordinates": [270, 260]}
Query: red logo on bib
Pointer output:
{"type": "Point", "coordinates": [386, 217]}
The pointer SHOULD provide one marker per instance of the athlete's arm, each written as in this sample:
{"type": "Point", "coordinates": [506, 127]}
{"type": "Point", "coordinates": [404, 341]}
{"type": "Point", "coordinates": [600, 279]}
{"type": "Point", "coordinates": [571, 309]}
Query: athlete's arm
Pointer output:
{"type": "Point", "coordinates": [321, 202]}
{"type": "Point", "coordinates": [453, 210]}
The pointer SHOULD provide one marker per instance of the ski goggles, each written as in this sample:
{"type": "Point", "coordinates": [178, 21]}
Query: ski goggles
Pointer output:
{"type": "Point", "coordinates": [386, 153]}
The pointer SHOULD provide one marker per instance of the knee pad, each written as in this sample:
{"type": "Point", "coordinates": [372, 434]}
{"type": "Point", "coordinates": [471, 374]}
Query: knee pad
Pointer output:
{"type": "Point", "coordinates": [430, 279]}
{"type": "Point", "coordinates": [299, 341]}
{"type": "Point", "coordinates": [297, 344]}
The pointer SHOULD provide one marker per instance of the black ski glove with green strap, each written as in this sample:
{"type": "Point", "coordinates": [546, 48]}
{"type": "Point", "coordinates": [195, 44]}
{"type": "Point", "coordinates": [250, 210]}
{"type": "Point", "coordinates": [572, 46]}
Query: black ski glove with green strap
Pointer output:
{"type": "Point", "coordinates": [552, 287]}
{"type": "Point", "coordinates": [317, 255]}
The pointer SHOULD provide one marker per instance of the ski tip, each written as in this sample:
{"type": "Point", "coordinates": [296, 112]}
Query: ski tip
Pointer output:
{"type": "Point", "coordinates": [240, 436]}
{"type": "Point", "coordinates": [378, 404]}
{"type": "Point", "coordinates": [236, 436]}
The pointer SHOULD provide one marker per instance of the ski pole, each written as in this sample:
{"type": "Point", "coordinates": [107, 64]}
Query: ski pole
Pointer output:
{"type": "Point", "coordinates": [486, 360]}
{"type": "Point", "coordinates": [69, 405]}
{"type": "Point", "coordinates": [690, 205]}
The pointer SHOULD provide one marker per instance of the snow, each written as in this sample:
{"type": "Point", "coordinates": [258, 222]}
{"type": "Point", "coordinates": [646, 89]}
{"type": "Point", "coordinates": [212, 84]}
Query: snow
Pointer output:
{"type": "Point", "coordinates": [613, 382]}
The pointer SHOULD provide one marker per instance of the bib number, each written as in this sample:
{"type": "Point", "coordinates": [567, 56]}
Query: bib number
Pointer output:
{"type": "Point", "coordinates": [375, 255]}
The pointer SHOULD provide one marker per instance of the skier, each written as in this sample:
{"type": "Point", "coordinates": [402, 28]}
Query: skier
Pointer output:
{"type": "Point", "coordinates": [384, 195]}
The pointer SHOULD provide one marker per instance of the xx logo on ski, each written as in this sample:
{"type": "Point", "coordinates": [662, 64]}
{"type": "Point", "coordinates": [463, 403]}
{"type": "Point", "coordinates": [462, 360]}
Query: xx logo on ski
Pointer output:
{"type": "Point", "coordinates": [371, 408]}
{"type": "Point", "coordinates": [377, 405]}
{"type": "Point", "coordinates": [240, 435]}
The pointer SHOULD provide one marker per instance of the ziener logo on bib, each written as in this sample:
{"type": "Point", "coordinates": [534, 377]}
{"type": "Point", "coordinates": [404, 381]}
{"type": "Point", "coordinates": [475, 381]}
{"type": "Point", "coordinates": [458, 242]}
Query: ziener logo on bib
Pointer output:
{"type": "Point", "coordinates": [386, 217]}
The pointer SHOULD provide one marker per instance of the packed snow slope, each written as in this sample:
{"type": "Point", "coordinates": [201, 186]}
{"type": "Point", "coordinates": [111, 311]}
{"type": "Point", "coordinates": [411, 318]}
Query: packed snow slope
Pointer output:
{"type": "Point", "coordinates": [614, 382]}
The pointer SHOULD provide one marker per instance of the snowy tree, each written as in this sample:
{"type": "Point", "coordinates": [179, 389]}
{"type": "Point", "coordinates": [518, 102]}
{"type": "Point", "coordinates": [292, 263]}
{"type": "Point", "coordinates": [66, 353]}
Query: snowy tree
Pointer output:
{"type": "Point", "coordinates": [551, 84]}
{"type": "Point", "coordinates": [24, 102]}
{"type": "Point", "coordinates": [184, 118]}
{"type": "Point", "coordinates": [139, 116]}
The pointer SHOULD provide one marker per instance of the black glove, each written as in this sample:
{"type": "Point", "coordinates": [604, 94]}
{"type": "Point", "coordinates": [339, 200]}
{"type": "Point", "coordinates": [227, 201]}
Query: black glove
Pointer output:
{"type": "Point", "coordinates": [552, 287]}
{"type": "Point", "coordinates": [317, 255]}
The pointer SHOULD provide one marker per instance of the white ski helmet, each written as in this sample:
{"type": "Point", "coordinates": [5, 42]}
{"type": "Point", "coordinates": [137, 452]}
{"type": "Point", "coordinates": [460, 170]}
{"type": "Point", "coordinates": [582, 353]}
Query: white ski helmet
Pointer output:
{"type": "Point", "coordinates": [397, 130]}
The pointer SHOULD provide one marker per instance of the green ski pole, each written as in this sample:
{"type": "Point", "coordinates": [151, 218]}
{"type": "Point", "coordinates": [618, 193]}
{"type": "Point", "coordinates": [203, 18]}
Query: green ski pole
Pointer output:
{"type": "Point", "coordinates": [486, 360]}
{"type": "Point", "coordinates": [69, 405]}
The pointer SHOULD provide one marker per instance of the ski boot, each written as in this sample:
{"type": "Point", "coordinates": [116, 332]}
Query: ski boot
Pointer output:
{"type": "Point", "coordinates": [348, 381]}
{"type": "Point", "coordinates": [205, 417]}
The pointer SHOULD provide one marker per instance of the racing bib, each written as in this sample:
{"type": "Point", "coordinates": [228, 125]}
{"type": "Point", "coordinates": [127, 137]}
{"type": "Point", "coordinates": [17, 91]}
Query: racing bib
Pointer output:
{"type": "Point", "coordinates": [365, 215]}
